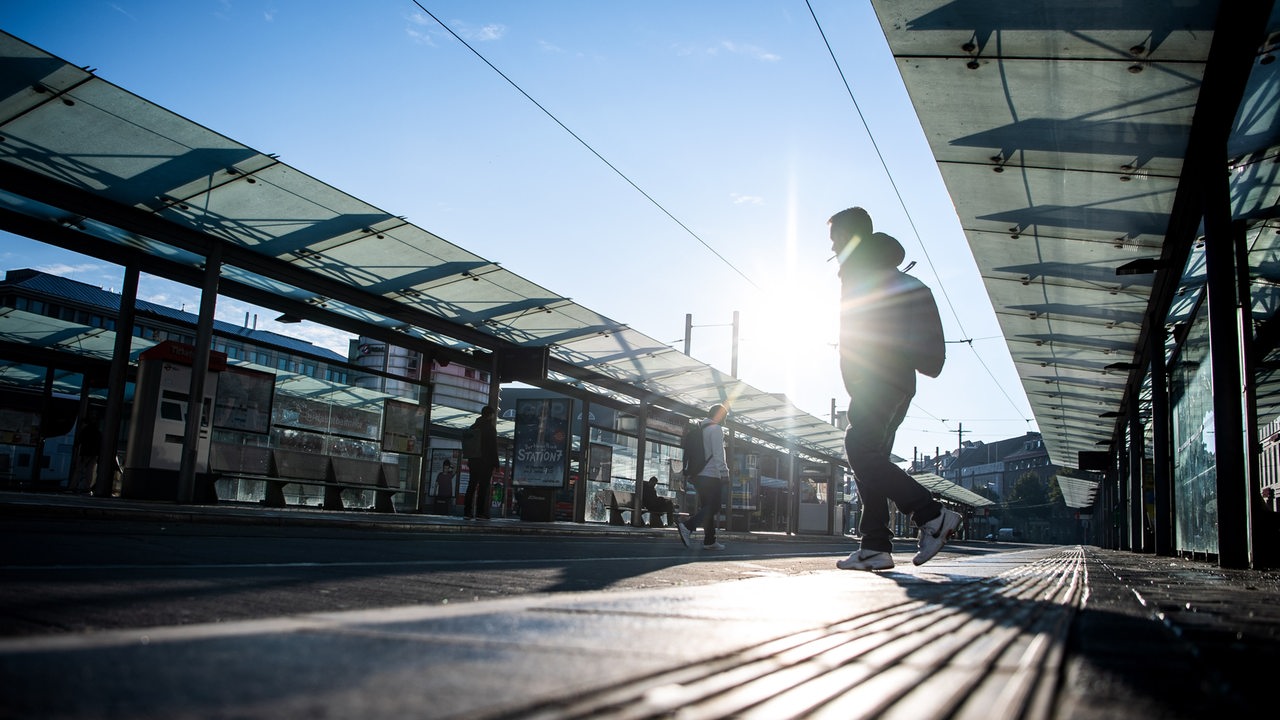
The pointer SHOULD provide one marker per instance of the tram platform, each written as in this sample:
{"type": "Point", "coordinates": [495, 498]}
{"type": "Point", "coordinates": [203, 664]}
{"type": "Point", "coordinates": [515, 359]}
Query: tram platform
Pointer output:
{"type": "Point", "coordinates": [1028, 632]}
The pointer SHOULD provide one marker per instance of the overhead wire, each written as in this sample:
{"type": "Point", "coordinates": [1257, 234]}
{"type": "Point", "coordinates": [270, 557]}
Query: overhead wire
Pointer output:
{"type": "Point", "coordinates": [695, 235]}
{"type": "Point", "coordinates": [588, 146]}
{"type": "Point", "coordinates": [910, 220]}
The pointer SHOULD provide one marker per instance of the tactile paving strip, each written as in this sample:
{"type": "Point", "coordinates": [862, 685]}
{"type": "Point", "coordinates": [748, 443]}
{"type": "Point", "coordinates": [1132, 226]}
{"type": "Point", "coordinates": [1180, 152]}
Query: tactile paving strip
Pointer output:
{"type": "Point", "coordinates": [984, 649]}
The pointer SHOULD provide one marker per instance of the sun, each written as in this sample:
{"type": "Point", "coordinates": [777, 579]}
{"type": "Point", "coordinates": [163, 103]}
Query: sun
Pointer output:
{"type": "Point", "coordinates": [789, 336]}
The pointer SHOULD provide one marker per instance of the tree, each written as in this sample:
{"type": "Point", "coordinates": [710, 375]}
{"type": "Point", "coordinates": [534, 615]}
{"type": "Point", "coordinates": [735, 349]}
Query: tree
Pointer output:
{"type": "Point", "coordinates": [1028, 502]}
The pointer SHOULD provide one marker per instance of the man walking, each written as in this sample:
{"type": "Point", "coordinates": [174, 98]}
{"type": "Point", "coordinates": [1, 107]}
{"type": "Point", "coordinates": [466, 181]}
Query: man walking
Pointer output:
{"type": "Point", "coordinates": [889, 330]}
{"type": "Point", "coordinates": [708, 482]}
{"type": "Point", "coordinates": [480, 445]}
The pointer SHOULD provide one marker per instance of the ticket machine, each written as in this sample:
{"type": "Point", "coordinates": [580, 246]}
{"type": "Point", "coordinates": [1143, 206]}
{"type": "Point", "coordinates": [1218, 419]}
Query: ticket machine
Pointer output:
{"type": "Point", "coordinates": [161, 401]}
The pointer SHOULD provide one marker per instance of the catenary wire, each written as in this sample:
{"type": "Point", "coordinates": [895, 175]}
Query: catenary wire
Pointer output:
{"type": "Point", "coordinates": [910, 220]}
{"type": "Point", "coordinates": [588, 146]}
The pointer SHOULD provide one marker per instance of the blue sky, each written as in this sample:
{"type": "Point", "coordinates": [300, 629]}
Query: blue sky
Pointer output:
{"type": "Point", "coordinates": [731, 116]}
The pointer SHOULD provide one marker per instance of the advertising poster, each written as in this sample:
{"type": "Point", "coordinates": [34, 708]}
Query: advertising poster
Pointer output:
{"type": "Point", "coordinates": [402, 426]}
{"type": "Point", "coordinates": [243, 400]}
{"type": "Point", "coordinates": [601, 464]}
{"type": "Point", "coordinates": [541, 442]}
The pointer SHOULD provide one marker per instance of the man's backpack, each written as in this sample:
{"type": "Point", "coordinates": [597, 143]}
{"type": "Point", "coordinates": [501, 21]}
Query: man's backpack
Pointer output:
{"type": "Point", "coordinates": [472, 446]}
{"type": "Point", "coordinates": [694, 449]}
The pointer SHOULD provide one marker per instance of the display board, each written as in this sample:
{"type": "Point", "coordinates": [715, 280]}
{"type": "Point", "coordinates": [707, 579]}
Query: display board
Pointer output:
{"type": "Point", "coordinates": [541, 442]}
{"type": "Point", "coordinates": [244, 399]}
{"type": "Point", "coordinates": [402, 426]}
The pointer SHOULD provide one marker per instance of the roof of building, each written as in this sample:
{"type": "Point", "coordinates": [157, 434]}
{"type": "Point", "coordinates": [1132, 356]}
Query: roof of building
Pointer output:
{"type": "Point", "coordinates": [984, 453]}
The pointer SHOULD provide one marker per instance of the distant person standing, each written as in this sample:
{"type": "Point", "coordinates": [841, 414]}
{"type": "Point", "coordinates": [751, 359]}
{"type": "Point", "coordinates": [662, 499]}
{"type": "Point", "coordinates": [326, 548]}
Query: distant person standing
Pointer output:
{"type": "Point", "coordinates": [444, 489]}
{"type": "Point", "coordinates": [85, 472]}
{"type": "Point", "coordinates": [480, 445]}
{"type": "Point", "coordinates": [708, 482]}
{"type": "Point", "coordinates": [889, 330]}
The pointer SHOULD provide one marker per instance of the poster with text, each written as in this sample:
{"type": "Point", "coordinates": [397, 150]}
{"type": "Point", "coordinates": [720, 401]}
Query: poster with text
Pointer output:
{"type": "Point", "coordinates": [541, 442]}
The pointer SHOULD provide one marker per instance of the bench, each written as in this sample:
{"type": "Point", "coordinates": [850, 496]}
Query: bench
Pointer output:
{"type": "Point", "coordinates": [278, 467]}
{"type": "Point", "coordinates": [620, 502]}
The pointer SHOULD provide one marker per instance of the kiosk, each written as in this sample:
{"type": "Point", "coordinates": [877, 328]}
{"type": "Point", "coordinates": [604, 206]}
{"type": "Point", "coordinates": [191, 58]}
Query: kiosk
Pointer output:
{"type": "Point", "coordinates": [158, 425]}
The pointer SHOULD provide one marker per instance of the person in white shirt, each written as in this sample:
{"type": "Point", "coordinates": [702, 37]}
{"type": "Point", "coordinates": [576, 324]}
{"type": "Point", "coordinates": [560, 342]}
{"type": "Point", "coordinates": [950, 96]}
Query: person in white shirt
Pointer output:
{"type": "Point", "coordinates": [709, 482]}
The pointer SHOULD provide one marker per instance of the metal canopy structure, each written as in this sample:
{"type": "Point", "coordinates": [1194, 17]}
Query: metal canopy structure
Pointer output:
{"type": "Point", "coordinates": [91, 167]}
{"type": "Point", "coordinates": [1077, 493]}
{"type": "Point", "coordinates": [938, 485]}
{"type": "Point", "coordinates": [1065, 133]}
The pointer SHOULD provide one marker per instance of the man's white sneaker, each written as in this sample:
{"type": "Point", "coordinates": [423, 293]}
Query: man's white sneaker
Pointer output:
{"type": "Point", "coordinates": [685, 534]}
{"type": "Point", "coordinates": [866, 560]}
{"type": "Point", "coordinates": [934, 534]}
{"type": "Point", "coordinates": [713, 546]}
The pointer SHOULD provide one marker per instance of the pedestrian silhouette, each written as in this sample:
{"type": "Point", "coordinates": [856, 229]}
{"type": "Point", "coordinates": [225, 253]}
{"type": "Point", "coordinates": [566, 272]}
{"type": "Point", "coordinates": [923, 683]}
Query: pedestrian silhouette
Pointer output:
{"type": "Point", "coordinates": [480, 445]}
{"type": "Point", "coordinates": [889, 330]}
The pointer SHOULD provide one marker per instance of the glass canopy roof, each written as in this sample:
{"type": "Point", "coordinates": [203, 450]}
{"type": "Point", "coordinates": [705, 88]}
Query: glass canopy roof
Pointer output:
{"type": "Point", "coordinates": [937, 485]}
{"type": "Point", "coordinates": [79, 155]}
{"type": "Point", "coordinates": [1060, 130]}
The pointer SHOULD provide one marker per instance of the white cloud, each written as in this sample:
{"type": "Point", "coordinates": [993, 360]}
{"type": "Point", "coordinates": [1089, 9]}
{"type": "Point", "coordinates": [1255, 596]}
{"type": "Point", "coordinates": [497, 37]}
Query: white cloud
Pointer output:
{"type": "Point", "coordinates": [419, 37]}
{"type": "Point", "coordinates": [749, 51]}
{"type": "Point", "coordinates": [70, 271]}
{"type": "Point", "coordinates": [740, 199]}
{"type": "Point", "coordinates": [485, 33]}
{"type": "Point", "coordinates": [122, 11]}
{"type": "Point", "coordinates": [423, 29]}
{"type": "Point", "coordinates": [426, 28]}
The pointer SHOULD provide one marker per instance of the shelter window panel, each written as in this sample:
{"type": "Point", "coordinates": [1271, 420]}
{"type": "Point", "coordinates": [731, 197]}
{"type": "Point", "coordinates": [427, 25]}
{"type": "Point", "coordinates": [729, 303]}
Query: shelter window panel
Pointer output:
{"type": "Point", "coordinates": [1195, 461]}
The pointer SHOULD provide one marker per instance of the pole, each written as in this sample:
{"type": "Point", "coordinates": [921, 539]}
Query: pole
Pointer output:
{"type": "Point", "coordinates": [733, 365]}
{"type": "Point", "coordinates": [688, 331]}
{"type": "Point", "coordinates": [119, 373]}
{"type": "Point", "coordinates": [426, 396]}
{"type": "Point", "coordinates": [188, 468]}
{"type": "Point", "coordinates": [637, 497]}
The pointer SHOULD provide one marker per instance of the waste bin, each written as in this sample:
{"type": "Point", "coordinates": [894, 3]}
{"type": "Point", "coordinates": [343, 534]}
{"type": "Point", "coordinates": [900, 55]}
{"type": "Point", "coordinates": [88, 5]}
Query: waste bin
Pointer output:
{"type": "Point", "coordinates": [537, 504]}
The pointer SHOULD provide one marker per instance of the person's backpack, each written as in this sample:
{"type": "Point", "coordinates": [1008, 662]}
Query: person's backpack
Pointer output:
{"type": "Point", "coordinates": [471, 444]}
{"type": "Point", "coordinates": [694, 450]}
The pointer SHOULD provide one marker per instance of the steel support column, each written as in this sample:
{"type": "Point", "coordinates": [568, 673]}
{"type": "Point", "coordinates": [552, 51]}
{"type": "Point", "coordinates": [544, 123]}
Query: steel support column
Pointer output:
{"type": "Point", "coordinates": [793, 489]}
{"type": "Point", "coordinates": [637, 497]}
{"type": "Point", "coordinates": [117, 377]}
{"type": "Point", "coordinates": [46, 411]}
{"type": "Point", "coordinates": [584, 465]}
{"type": "Point", "coordinates": [1161, 450]}
{"type": "Point", "coordinates": [1124, 487]}
{"type": "Point", "coordinates": [1115, 503]}
{"type": "Point", "coordinates": [426, 396]}
{"type": "Point", "coordinates": [1227, 373]}
{"type": "Point", "coordinates": [1137, 497]}
{"type": "Point", "coordinates": [199, 369]}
